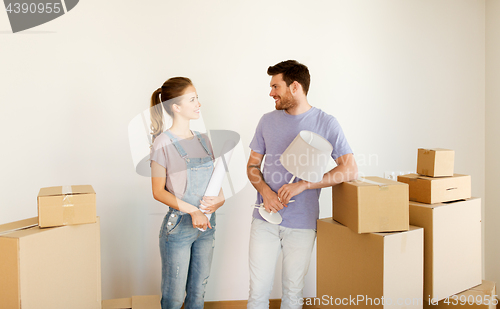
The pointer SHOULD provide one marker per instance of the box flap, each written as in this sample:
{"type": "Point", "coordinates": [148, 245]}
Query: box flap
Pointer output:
{"type": "Point", "coordinates": [486, 288]}
{"type": "Point", "coordinates": [18, 225]}
{"type": "Point", "coordinates": [435, 149]}
{"type": "Point", "coordinates": [80, 189]}
{"type": "Point", "coordinates": [437, 178]}
{"type": "Point", "coordinates": [485, 291]}
{"type": "Point", "coordinates": [386, 234]}
{"type": "Point", "coordinates": [374, 181]}
{"type": "Point", "coordinates": [442, 204]}
{"type": "Point", "coordinates": [119, 303]}
{"type": "Point", "coordinates": [146, 302]}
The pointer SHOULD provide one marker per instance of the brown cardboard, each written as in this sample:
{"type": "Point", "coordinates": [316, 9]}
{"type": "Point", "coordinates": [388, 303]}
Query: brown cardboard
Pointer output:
{"type": "Point", "coordinates": [76, 206]}
{"type": "Point", "coordinates": [372, 204]}
{"type": "Point", "coordinates": [452, 246]}
{"type": "Point", "coordinates": [478, 297]}
{"type": "Point", "coordinates": [146, 302]}
{"type": "Point", "coordinates": [372, 265]}
{"type": "Point", "coordinates": [50, 268]}
{"type": "Point", "coordinates": [120, 303]}
{"type": "Point", "coordinates": [136, 302]}
{"type": "Point", "coordinates": [432, 190]}
{"type": "Point", "coordinates": [436, 162]}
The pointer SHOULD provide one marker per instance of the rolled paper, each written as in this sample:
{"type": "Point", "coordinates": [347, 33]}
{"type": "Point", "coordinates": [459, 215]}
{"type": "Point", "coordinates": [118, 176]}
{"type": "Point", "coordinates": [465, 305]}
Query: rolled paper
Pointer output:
{"type": "Point", "coordinates": [215, 183]}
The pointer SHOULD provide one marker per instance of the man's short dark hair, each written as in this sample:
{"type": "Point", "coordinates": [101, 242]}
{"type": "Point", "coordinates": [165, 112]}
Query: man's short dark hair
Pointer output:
{"type": "Point", "coordinates": [292, 71]}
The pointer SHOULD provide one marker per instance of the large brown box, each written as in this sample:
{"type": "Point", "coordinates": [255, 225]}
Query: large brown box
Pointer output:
{"type": "Point", "coordinates": [371, 266]}
{"type": "Point", "coordinates": [452, 246]}
{"type": "Point", "coordinates": [478, 297]}
{"type": "Point", "coordinates": [436, 162]}
{"type": "Point", "coordinates": [432, 190]}
{"type": "Point", "coordinates": [371, 204]}
{"type": "Point", "coordinates": [135, 302]}
{"type": "Point", "coordinates": [49, 268]}
{"type": "Point", "coordinates": [66, 205]}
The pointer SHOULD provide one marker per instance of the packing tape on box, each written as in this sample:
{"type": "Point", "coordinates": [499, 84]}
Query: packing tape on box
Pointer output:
{"type": "Point", "coordinates": [66, 190]}
{"type": "Point", "coordinates": [381, 185]}
{"type": "Point", "coordinates": [68, 205]}
{"type": "Point", "coordinates": [383, 223]}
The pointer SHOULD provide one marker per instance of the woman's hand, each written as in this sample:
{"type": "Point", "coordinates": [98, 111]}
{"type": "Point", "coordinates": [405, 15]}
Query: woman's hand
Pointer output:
{"type": "Point", "coordinates": [199, 220]}
{"type": "Point", "coordinates": [209, 204]}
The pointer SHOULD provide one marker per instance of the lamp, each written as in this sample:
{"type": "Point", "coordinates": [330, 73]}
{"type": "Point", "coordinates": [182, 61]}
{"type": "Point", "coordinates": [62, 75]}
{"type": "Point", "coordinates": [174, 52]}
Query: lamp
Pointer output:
{"type": "Point", "coordinates": [308, 157]}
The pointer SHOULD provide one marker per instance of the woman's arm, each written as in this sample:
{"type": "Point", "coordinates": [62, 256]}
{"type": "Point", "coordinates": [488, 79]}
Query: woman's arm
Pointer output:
{"type": "Point", "coordinates": [210, 204]}
{"type": "Point", "coordinates": [158, 181]}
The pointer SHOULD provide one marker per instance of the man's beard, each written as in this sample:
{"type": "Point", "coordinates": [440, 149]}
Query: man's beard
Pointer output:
{"type": "Point", "coordinates": [286, 102]}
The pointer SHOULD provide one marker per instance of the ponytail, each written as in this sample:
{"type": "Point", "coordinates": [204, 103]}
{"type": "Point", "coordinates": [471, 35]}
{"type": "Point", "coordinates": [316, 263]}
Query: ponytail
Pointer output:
{"type": "Point", "coordinates": [156, 113]}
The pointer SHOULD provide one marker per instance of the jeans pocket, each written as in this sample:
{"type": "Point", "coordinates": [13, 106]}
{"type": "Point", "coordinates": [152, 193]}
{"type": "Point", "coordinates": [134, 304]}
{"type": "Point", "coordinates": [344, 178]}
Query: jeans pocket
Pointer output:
{"type": "Point", "coordinates": [170, 224]}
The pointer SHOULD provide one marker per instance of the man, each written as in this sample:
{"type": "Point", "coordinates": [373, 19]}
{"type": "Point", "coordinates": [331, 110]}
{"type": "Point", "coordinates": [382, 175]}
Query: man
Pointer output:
{"type": "Point", "coordinates": [297, 232]}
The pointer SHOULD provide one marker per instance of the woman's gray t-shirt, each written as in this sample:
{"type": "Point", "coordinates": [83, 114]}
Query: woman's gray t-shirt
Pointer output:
{"type": "Point", "coordinates": [165, 154]}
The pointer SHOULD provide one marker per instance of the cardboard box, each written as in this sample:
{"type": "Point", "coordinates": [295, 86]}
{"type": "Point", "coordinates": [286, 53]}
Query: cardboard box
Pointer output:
{"type": "Point", "coordinates": [371, 204]}
{"type": "Point", "coordinates": [436, 162]}
{"type": "Point", "coordinates": [49, 268]}
{"type": "Point", "coordinates": [431, 190]}
{"type": "Point", "coordinates": [367, 267]}
{"type": "Point", "coordinates": [479, 297]}
{"type": "Point", "coordinates": [66, 205]}
{"type": "Point", "coordinates": [136, 302]}
{"type": "Point", "coordinates": [452, 238]}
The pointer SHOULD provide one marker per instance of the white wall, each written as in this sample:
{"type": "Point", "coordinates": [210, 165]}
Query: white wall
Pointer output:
{"type": "Point", "coordinates": [492, 211]}
{"type": "Point", "coordinates": [397, 74]}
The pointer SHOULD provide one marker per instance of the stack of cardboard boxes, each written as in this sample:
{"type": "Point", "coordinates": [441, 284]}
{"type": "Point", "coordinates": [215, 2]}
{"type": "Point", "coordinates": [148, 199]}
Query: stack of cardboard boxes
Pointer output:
{"type": "Point", "coordinates": [368, 253]}
{"type": "Point", "coordinates": [441, 203]}
{"type": "Point", "coordinates": [380, 249]}
{"type": "Point", "coordinates": [53, 260]}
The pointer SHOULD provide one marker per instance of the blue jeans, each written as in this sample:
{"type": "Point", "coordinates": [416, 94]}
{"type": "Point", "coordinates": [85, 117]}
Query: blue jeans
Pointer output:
{"type": "Point", "coordinates": [186, 258]}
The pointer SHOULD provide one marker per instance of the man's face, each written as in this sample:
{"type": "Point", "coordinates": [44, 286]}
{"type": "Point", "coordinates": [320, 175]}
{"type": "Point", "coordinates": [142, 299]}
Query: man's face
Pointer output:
{"type": "Point", "coordinates": [281, 93]}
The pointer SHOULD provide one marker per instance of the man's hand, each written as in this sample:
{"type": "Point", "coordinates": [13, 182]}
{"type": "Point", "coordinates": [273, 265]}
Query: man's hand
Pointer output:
{"type": "Point", "coordinates": [271, 201]}
{"type": "Point", "coordinates": [287, 191]}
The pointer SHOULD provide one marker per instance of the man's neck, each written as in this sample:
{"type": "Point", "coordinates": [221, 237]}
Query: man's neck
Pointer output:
{"type": "Point", "coordinates": [301, 107]}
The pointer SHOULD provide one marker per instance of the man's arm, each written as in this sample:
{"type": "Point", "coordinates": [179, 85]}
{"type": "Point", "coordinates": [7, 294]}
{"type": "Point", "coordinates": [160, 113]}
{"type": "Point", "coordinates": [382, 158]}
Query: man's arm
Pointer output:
{"type": "Point", "coordinates": [346, 170]}
{"type": "Point", "coordinates": [271, 201]}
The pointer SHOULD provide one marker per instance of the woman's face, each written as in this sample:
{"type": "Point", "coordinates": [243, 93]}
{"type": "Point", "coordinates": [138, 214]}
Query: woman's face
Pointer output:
{"type": "Point", "coordinates": [189, 107]}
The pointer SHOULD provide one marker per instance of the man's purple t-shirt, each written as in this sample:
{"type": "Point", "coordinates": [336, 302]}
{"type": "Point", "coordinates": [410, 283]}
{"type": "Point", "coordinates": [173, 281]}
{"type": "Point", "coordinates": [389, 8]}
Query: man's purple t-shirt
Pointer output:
{"type": "Point", "coordinates": [275, 131]}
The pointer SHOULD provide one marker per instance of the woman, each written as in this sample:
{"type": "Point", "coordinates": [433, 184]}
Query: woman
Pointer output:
{"type": "Point", "coordinates": [181, 167]}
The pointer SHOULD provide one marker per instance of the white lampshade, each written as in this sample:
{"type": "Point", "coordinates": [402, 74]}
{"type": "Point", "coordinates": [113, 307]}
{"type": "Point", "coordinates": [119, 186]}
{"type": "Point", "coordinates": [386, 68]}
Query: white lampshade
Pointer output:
{"type": "Point", "coordinates": [308, 157]}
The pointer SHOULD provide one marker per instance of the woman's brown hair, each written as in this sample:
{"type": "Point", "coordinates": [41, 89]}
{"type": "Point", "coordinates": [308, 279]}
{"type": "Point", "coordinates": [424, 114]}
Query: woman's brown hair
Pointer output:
{"type": "Point", "coordinates": [171, 89]}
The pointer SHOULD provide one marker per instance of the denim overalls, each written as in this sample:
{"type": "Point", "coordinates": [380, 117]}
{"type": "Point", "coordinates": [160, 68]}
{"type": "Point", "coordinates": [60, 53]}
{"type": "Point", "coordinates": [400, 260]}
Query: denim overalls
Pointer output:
{"type": "Point", "coordinates": [186, 252]}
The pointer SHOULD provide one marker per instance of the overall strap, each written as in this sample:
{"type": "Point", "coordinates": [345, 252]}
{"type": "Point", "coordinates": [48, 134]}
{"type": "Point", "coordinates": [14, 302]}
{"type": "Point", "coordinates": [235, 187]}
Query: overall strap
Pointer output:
{"type": "Point", "coordinates": [202, 142]}
{"type": "Point", "coordinates": [177, 145]}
